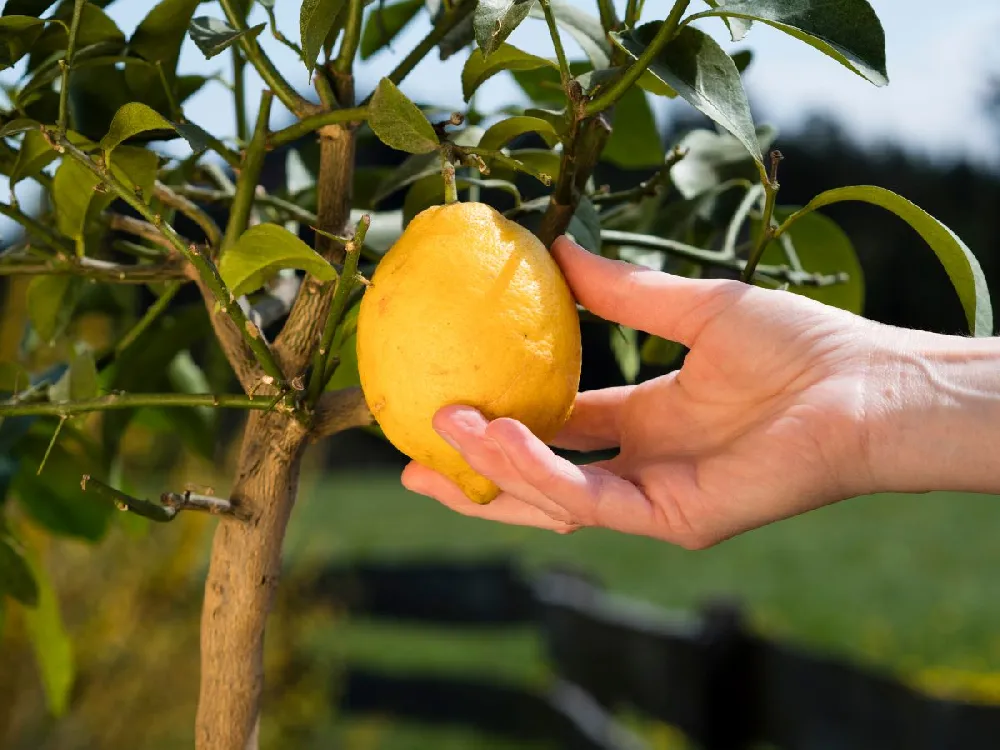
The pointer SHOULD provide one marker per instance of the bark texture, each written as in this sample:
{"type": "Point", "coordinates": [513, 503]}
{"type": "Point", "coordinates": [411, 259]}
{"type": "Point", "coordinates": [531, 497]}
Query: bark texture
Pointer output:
{"type": "Point", "coordinates": [242, 578]}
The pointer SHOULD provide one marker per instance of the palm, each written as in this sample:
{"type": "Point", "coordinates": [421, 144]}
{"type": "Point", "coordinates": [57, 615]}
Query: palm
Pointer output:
{"type": "Point", "coordinates": [757, 425]}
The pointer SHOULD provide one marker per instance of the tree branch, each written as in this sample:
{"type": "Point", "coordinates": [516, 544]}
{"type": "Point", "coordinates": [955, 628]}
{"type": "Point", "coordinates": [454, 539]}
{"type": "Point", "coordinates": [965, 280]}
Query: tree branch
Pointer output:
{"type": "Point", "coordinates": [66, 65]}
{"type": "Point", "coordinates": [250, 169]}
{"type": "Point", "coordinates": [205, 222]}
{"type": "Point", "coordinates": [98, 270]}
{"type": "Point", "coordinates": [119, 401]}
{"type": "Point", "coordinates": [36, 228]}
{"type": "Point", "coordinates": [315, 122]}
{"type": "Point", "coordinates": [256, 57]}
{"type": "Point", "coordinates": [208, 278]}
{"type": "Point", "coordinates": [340, 410]}
{"type": "Point", "coordinates": [614, 91]}
{"type": "Point", "coordinates": [140, 228]}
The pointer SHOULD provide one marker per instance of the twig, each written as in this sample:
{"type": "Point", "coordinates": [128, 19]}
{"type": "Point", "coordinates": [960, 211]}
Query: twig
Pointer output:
{"type": "Point", "coordinates": [119, 401]}
{"type": "Point", "coordinates": [250, 169]}
{"type": "Point", "coordinates": [646, 189]}
{"type": "Point", "coordinates": [66, 64]}
{"type": "Point", "coordinates": [218, 506]}
{"type": "Point", "coordinates": [346, 282]}
{"type": "Point", "coordinates": [350, 40]}
{"type": "Point", "coordinates": [285, 92]}
{"type": "Point", "coordinates": [140, 228]}
{"type": "Point", "coordinates": [204, 267]}
{"type": "Point", "coordinates": [168, 92]}
{"type": "Point", "coordinates": [98, 270]}
{"type": "Point", "coordinates": [316, 122]}
{"type": "Point", "coordinates": [125, 502]}
{"type": "Point", "coordinates": [564, 73]}
{"type": "Point", "coordinates": [767, 224]}
{"type": "Point", "coordinates": [614, 91]}
{"type": "Point", "coordinates": [718, 260]}
{"type": "Point", "coordinates": [239, 95]}
{"type": "Point", "coordinates": [448, 21]}
{"type": "Point", "coordinates": [290, 209]}
{"type": "Point", "coordinates": [154, 311]}
{"type": "Point", "coordinates": [213, 235]}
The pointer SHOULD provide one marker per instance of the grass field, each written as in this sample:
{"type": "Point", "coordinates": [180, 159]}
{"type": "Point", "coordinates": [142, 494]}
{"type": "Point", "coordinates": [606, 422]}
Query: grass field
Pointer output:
{"type": "Point", "coordinates": [906, 583]}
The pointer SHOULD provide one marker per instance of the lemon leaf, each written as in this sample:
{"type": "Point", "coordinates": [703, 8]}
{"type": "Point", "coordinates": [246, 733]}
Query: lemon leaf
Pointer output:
{"type": "Point", "coordinates": [479, 68]}
{"type": "Point", "coordinates": [262, 251]}
{"type": "Point", "coordinates": [398, 122]}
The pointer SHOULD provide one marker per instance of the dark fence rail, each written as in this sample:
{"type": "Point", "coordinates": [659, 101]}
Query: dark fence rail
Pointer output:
{"type": "Point", "coordinates": [707, 674]}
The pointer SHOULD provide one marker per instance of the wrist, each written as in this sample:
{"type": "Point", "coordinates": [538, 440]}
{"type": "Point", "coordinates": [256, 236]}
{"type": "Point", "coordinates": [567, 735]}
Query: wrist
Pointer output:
{"type": "Point", "coordinates": [933, 413]}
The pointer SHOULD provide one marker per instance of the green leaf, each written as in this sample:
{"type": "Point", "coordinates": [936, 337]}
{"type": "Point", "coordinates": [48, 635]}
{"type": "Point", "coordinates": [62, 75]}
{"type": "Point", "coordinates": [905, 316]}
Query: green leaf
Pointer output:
{"type": "Point", "coordinates": [847, 30]}
{"type": "Point", "coordinates": [26, 7]}
{"type": "Point", "coordinates": [136, 167]}
{"type": "Point", "coordinates": [385, 23]}
{"type": "Point", "coordinates": [73, 189]}
{"type": "Point", "coordinates": [697, 68]}
{"type": "Point", "coordinates": [960, 264]}
{"type": "Point", "coordinates": [80, 381]}
{"type": "Point", "coordinates": [742, 59]}
{"type": "Point", "coordinates": [34, 156]}
{"type": "Point", "coordinates": [16, 580]}
{"type": "Point", "coordinates": [585, 226]}
{"type": "Point", "coordinates": [262, 251]}
{"type": "Point", "coordinates": [130, 120]}
{"type": "Point", "coordinates": [625, 346]}
{"type": "Point", "coordinates": [822, 247]}
{"type": "Point", "coordinates": [213, 35]}
{"type": "Point", "coordinates": [543, 86]}
{"type": "Point", "coordinates": [738, 27]}
{"type": "Point", "coordinates": [159, 36]}
{"type": "Point", "coordinates": [96, 28]}
{"type": "Point", "coordinates": [501, 133]}
{"type": "Point", "coordinates": [51, 301]}
{"type": "Point", "coordinates": [18, 125]}
{"type": "Point", "coordinates": [495, 20]}
{"type": "Point", "coordinates": [479, 68]}
{"type": "Point", "coordinates": [50, 642]}
{"type": "Point", "coordinates": [17, 35]}
{"type": "Point", "coordinates": [635, 140]}
{"type": "Point", "coordinates": [398, 122]}
{"type": "Point", "coordinates": [538, 159]}
{"type": "Point", "coordinates": [712, 158]}
{"type": "Point", "coordinates": [585, 29]}
{"type": "Point", "coordinates": [316, 18]}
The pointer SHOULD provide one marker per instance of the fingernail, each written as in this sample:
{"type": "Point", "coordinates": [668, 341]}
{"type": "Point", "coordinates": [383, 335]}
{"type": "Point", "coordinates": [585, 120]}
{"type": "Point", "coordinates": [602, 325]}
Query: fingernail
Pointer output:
{"type": "Point", "coordinates": [447, 438]}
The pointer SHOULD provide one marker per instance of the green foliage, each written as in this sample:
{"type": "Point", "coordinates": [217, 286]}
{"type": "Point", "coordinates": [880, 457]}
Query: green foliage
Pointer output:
{"type": "Point", "coordinates": [16, 579]}
{"type": "Point", "coordinates": [51, 644]}
{"type": "Point", "coordinates": [17, 35]}
{"type": "Point", "coordinates": [316, 18]}
{"type": "Point", "coordinates": [503, 132]}
{"type": "Point", "coordinates": [495, 20]}
{"type": "Point", "coordinates": [385, 23]}
{"type": "Point", "coordinates": [264, 250]}
{"type": "Point", "coordinates": [51, 303]}
{"type": "Point", "coordinates": [398, 122]}
{"type": "Point", "coordinates": [961, 265]}
{"type": "Point", "coordinates": [129, 121]}
{"type": "Point", "coordinates": [479, 68]}
{"type": "Point", "coordinates": [214, 36]}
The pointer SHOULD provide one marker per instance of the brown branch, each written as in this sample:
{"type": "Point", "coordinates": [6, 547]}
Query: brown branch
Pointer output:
{"type": "Point", "coordinates": [213, 235]}
{"type": "Point", "coordinates": [337, 411]}
{"type": "Point", "coordinates": [139, 228]}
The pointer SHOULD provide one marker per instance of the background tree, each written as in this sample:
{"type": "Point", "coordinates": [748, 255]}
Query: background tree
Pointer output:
{"type": "Point", "coordinates": [129, 231]}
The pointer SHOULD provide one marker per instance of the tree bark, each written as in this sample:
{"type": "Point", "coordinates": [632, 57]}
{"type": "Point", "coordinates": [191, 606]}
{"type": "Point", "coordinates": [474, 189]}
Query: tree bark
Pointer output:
{"type": "Point", "coordinates": [242, 578]}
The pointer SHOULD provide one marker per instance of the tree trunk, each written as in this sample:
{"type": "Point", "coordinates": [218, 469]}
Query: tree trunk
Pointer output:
{"type": "Point", "coordinates": [242, 578]}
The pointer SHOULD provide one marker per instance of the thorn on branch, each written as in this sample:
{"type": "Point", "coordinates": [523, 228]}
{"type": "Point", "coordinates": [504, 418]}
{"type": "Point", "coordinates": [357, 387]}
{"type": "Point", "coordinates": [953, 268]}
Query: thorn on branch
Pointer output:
{"type": "Point", "coordinates": [171, 503]}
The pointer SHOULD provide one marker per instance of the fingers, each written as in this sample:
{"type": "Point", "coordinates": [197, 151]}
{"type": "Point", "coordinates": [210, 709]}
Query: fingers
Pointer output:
{"type": "Point", "coordinates": [505, 508]}
{"type": "Point", "coordinates": [672, 307]}
{"type": "Point", "coordinates": [594, 422]}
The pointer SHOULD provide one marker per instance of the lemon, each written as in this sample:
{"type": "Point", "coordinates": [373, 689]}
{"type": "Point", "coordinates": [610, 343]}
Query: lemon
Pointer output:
{"type": "Point", "coordinates": [469, 308]}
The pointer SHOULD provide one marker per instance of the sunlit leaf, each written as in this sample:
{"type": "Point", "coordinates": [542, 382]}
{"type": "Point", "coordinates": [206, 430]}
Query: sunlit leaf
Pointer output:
{"type": "Point", "coordinates": [711, 158]}
{"type": "Point", "coordinates": [479, 68]}
{"type": "Point", "coordinates": [697, 68]}
{"type": "Point", "coordinates": [213, 35]}
{"type": "Point", "coordinates": [398, 122]}
{"type": "Point", "coordinates": [501, 133]}
{"type": "Point", "coordinates": [959, 262]}
{"type": "Point", "coordinates": [262, 251]}
{"type": "Point", "coordinates": [316, 18]}
{"type": "Point", "coordinates": [585, 226]}
{"type": "Point", "coordinates": [495, 20]}
{"type": "Point", "coordinates": [849, 31]}
{"type": "Point", "coordinates": [50, 642]}
{"type": "Point", "coordinates": [80, 381]}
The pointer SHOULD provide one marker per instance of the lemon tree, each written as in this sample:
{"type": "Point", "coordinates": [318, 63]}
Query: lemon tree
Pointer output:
{"type": "Point", "coordinates": [169, 274]}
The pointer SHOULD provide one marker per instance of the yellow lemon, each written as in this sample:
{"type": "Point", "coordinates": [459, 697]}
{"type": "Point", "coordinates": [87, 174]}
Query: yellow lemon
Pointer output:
{"type": "Point", "coordinates": [467, 307]}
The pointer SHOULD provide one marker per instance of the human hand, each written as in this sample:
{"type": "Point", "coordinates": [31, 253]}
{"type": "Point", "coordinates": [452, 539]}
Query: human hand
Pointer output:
{"type": "Point", "coordinates": [767, 418]}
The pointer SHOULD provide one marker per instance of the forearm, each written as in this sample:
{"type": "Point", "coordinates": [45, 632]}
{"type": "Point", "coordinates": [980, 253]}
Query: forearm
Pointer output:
{"type": "Point", "coordinates": [935, 414]}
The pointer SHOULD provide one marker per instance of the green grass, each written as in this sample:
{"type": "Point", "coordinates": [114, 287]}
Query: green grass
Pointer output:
{"type": "Point", "coordinates": [899, 581]}
{"type": "Point", "coordinates": [903, 583]}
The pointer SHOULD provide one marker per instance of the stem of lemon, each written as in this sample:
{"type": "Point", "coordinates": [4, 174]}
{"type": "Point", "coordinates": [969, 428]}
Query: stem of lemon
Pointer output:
{"type": "Point", "coordinates": [448, 173]}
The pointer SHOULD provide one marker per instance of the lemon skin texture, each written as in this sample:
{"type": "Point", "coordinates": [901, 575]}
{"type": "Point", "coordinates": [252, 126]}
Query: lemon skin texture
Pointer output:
{"type": "Point", "coordinates": [469, 308]}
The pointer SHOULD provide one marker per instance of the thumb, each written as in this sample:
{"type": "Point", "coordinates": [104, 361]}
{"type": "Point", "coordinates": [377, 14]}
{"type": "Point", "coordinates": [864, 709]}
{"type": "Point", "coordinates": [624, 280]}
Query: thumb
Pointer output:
{"type": "Point", "coordinates": [672, 307]}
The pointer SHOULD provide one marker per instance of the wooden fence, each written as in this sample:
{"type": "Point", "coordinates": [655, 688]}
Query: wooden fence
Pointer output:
{"type": "Point", "coordinates": [724, 686]}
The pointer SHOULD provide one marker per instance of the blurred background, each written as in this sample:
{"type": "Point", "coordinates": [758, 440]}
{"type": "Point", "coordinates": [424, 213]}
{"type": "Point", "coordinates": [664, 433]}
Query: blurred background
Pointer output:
{"type": "Point", "coordinates": [903, 584]}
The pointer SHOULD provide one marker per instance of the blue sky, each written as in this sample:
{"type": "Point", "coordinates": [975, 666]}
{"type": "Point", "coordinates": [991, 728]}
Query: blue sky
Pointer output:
{"type": "Point", "coordinates": [939, 59]}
